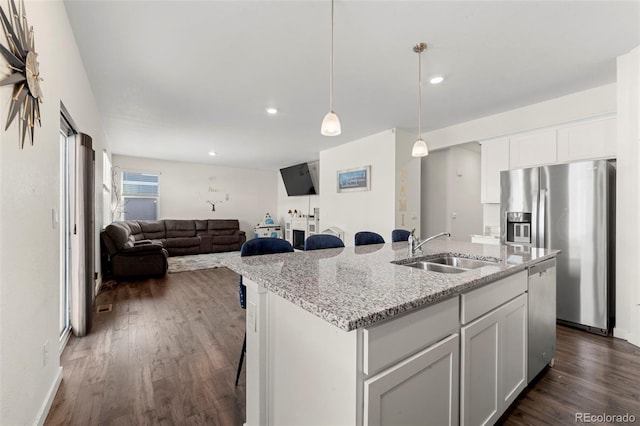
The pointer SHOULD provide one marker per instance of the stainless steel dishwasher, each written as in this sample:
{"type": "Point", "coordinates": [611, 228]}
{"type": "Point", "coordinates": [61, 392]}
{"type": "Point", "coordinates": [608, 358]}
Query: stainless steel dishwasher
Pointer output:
{"type": "Point", "coordinates": [541, 316]}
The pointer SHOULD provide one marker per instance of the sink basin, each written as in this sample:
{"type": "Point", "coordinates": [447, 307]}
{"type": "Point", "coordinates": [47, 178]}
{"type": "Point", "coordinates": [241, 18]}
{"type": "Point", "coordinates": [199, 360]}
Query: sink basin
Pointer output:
{"type": "Point", "coordinates": [435, 267]}
{"type": "Point", "coordinates": [448, 264]}
{"type": "Point", "coordinates": [460, 262]}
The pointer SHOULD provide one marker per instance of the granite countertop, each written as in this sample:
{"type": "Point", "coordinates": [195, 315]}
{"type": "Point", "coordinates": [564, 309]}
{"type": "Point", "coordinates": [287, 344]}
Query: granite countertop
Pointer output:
{"type": "Point", "coordinates": [354, 287]}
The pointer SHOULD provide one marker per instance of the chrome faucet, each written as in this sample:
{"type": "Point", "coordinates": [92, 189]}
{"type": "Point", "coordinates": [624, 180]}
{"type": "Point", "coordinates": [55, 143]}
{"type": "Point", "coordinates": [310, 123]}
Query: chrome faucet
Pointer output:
{"type": "Point", "coordinates": [415, 244]}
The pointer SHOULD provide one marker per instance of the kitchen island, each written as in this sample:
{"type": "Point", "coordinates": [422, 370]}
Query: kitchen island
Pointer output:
{"type": "Point", "coordinates": [353, 336]}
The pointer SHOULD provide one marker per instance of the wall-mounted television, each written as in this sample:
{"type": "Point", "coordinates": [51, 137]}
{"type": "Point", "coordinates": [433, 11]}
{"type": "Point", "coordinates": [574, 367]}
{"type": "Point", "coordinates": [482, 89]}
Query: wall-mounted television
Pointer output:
{"type": "Point", "coordinates": [297, 180]}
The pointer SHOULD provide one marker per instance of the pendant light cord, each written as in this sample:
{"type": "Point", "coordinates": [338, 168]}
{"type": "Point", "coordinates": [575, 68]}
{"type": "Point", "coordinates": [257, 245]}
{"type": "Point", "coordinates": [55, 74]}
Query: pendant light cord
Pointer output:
{"type": "Point", "coordinates": [419, 48]}
{"type": "Point", "coordinates": [331, 64]}
{"type": "Point", "coordinates": [420, 94]}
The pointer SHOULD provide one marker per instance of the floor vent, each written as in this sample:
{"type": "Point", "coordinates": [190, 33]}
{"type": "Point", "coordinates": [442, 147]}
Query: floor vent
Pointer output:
{"type": "Point", "coordinates": [104, 308]}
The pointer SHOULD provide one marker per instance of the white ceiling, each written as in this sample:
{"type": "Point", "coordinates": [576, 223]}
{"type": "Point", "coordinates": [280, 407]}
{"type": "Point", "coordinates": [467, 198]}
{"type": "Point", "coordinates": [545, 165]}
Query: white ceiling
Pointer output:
{"type": "Point", "coordinates": [176, 79]}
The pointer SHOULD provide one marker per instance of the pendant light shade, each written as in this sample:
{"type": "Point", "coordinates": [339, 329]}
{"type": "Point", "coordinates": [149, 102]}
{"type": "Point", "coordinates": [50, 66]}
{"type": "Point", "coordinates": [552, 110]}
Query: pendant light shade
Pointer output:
{"type": "Point", "coordinates": [331, 122]}
{"type": "Point", "coordinates": [420, 149]}
{"type": "Point", "coordinates": [420, 146]}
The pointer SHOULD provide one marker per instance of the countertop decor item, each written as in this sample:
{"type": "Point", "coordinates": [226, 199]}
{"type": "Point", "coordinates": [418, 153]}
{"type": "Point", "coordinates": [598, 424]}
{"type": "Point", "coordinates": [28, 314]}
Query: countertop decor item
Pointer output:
{"type": "Point", "coordinates": [22, 60]}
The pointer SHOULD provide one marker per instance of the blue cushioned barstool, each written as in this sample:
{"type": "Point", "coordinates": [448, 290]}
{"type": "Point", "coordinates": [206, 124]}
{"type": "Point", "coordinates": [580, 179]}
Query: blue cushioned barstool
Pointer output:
{"type": "Point", "coordinates": [399, 235]}
{"type": "Point", "coordinates": [366, 237]}
{"type": "Point", "coordinates": [253, 248]}
{"type": "Point", "coordinates": [322, 241]}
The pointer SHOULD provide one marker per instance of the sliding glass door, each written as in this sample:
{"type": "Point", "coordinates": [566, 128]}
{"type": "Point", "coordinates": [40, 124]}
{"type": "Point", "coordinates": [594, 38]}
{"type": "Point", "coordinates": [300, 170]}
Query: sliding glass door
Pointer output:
{"type": "Point", "coordinates": [67, 191]}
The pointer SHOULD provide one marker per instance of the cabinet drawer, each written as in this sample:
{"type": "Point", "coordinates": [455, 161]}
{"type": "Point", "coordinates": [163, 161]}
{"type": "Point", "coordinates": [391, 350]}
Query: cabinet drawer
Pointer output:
{"type": "Point", "coordinates": [484, 299]}
{"type": "Point", "coordinates": [395, 340]}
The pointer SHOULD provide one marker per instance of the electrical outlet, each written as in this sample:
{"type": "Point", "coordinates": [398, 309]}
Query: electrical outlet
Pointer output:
{"type": "Point", "coordinates": [45, 353]}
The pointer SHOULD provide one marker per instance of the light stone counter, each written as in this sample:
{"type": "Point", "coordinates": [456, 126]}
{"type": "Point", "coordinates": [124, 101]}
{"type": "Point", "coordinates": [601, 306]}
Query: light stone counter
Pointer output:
{"type": "Point", "coordinates": [354, 287]}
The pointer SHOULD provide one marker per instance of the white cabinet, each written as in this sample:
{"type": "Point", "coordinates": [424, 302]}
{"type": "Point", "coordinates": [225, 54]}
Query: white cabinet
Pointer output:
{"type": "Point", "coordinates": [494, 363]}
{"type": "Point", "coordinates": [587, 141]}
{"type": "Point", "coordinates": [494, 159]}
{"type": "Point", "coordinates": [493, 368]}
{"type": "Point", "coordinates": [424, 386]}
{"type": "Point", "coordinates": [532, 149]}
{"type": "Point", "coordinates": [513, 361]}
{"type": "Point", "coordinates": [480, 372]}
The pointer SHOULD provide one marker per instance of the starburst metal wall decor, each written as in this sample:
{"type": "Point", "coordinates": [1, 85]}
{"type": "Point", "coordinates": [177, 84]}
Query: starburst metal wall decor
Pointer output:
{"type": "Point", "coordinates": [22, 61]}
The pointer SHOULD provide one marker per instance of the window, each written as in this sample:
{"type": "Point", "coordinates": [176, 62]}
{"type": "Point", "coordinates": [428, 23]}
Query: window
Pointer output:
{"type": "Point", "coordinates": [140, 196]}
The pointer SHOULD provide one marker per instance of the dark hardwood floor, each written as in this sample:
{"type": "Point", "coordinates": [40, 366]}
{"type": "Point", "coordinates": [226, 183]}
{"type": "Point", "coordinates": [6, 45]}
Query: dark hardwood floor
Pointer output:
{"type": "Point", "coordinates": [592, 374]}
{"type": "Point", "coordinates": [167, 355]}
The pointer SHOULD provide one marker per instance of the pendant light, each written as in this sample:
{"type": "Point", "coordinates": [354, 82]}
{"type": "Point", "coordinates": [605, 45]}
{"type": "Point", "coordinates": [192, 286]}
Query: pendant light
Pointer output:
{"type": "Point", "coordinates": [331, 122]}
{"type": "Point", "coordinates": [420, 146]}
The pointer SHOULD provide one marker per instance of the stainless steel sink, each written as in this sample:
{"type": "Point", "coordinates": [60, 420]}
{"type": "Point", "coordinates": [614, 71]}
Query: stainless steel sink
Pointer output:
{"type": "Point", "coordinates": [448, 264]}
{"type": "Point", "coordinates": [460, 262]}
{"type": "Point", "coordinates": [435, 267]}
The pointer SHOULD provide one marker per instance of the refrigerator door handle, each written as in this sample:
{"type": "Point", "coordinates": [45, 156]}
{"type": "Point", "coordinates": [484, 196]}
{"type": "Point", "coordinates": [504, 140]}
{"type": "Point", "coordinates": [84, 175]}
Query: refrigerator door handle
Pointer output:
{"type": "Point", "coordinates": [542, 207]}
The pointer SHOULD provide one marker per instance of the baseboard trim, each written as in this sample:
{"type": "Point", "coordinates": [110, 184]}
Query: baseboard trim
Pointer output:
{"type": "Point", "coordinates": [64, 339]}
{"type": "Point", "coordinates": [46, 406]}
{"type": "Point", "coordinates": [634, 339]}
{"type": "Point", "coordinates": [621, 333]}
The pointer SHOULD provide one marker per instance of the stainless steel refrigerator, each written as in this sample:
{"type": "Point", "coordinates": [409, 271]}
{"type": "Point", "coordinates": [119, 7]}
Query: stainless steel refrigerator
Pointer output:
{"type": "Point", "coordinates": [570, 207]}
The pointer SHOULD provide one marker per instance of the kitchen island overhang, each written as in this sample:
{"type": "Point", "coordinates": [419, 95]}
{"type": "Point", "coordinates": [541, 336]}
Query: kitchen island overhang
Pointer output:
{"type": "Point", "coordinates": [328, 329]}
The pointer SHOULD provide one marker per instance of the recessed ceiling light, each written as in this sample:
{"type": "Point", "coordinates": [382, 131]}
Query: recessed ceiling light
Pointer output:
{"type": "Point", "coordinates": [272, 110]}
{"type": "Point", "coordinates": [436, 80]}
{"type": "Point", "coordinates": [212, 153]}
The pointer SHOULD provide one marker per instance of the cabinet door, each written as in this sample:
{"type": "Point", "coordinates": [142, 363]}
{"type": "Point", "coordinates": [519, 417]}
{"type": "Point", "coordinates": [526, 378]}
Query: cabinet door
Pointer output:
{"type": "Point", "coordinates": [421, 389]}
{"type": "Point", "coordinates": [480, 400]}
{"type": "Point", "coordinates": [494, 159]}
{"type": "Point", "coordinates": [587, 141]}
{"type": "Point", "coordinates": [513, 345]}
{"type": "Point", "coordinates": [533, 149]}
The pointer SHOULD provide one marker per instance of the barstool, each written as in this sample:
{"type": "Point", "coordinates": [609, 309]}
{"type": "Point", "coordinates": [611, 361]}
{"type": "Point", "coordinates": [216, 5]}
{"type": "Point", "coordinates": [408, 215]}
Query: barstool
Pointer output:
{"type": "Point", "coordinates": [322, 241]}
{"type": "Point", "coordinates": [366, 237]}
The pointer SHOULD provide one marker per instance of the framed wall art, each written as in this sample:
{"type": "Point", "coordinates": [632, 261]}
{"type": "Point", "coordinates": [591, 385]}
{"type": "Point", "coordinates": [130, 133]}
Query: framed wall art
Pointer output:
{"type": "Point", "coordinates": [356, 179]}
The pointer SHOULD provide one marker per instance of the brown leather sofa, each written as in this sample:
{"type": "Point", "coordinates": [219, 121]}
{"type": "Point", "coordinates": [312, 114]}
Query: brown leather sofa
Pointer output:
{"type": "Point", "coordinates": [137, 248]}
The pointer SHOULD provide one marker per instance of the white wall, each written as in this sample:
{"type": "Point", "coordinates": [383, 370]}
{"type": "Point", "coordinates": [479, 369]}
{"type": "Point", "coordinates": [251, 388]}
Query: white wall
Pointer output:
{"type": "Point", "coordinates": [451, 193]}
{"type": "Point", "coordinates": [408, 184]}
{"type": "Point", "coordinates": [435, 189]}
{"type": "Point", "coordinates": [29, 241]}
{"type": "Point", "coordinates": [577, 106]}
{"type": "Point", "coordinates": [185, 188]}
{"type": "Point", "coordinates": [628, 199]}
{"type": "Point", "coordinates": [464, 193]}
{"type": "Point", "coordinates": [372, 210]}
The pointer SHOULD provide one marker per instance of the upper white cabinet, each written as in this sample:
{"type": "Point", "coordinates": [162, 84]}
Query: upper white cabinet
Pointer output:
{"type": "Point", "coordinates": [494, 159]}
{"type": "Point", "coordinates": [587, 141]}
{"type": "Point", "coordinates": [533, 149]}
{"type": "Point", "coordinates": [577, 142]}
